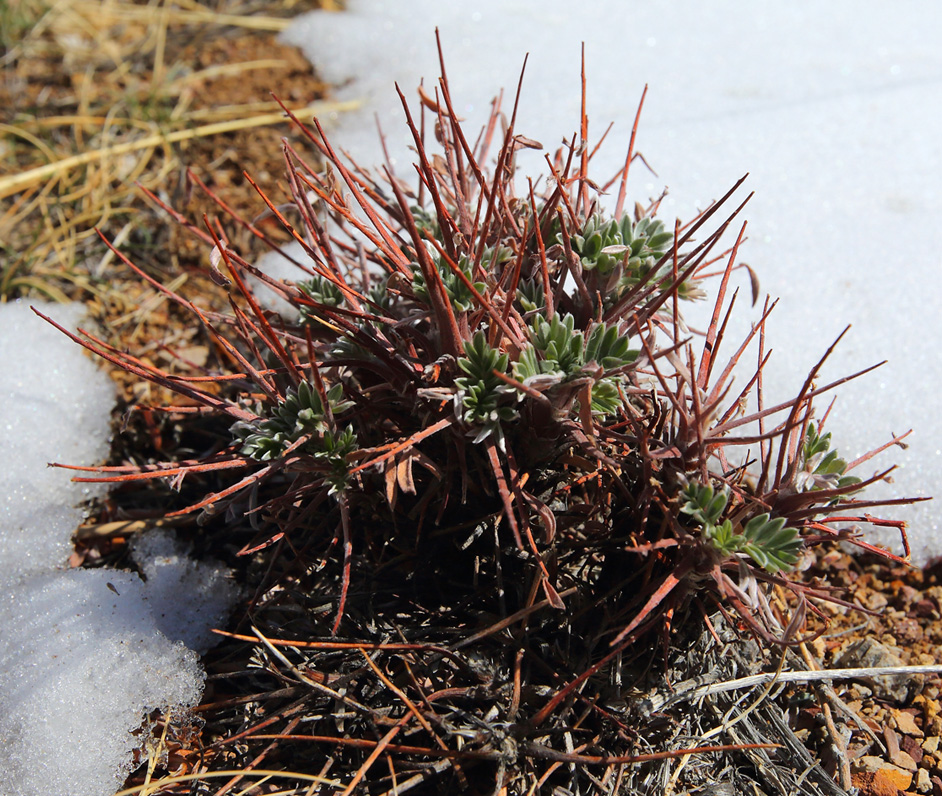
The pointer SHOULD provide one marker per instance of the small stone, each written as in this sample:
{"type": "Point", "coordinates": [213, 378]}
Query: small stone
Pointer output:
{"type": "Point", "coordinates": [867, 654]}
{"type": "Point", "coordinates": [906, 592]}
{"type": "Point", "coordinates": [868, 763]}
{"type": "Point", "coordinates": [933, 715]}
{"type": "Point", "coordinates": [923, 783]}
{"type": "Point", "coordinates": [906, 723]}
{"type": "Point", "coordinates": [868, 785]}
{"type": "Point", "coordinates": [885, 781]}
{"type": "Point", "coordinates": [911, 746]}
{"type": "Point", "coordinates": [931, 744]}
{"type": "Point", "coordinates": [909, 631]}
{"type": "Point", "coordinates": [876, 777]}
{"type": "Point", "coordinates": [924, 609]}
{"type": "Point", "coordinates": [904, 760]}
{"type": "Point", "coordinates": [930, 707]}
{"type": "Point", "coordinates": [898, 777]}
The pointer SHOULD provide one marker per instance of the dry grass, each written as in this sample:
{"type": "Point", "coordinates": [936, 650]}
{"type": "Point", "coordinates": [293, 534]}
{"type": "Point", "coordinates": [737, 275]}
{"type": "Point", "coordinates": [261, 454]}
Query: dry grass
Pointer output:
{"type": "Point", "coordinates": [100, 96]}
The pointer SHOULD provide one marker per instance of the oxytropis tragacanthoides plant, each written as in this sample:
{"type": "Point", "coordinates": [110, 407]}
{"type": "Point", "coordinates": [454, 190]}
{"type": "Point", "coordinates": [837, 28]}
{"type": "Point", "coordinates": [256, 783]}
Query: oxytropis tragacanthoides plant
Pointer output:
{"type": "Point", "coordinates": [515, 367]}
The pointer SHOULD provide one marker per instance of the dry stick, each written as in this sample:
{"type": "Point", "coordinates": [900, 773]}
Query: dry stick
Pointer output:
{"type": "Point", "coordinates": [392, 748]}
{"type": "Point", "coordinates": [155, 377]}
{"type": "Point", "coordinates": [712, 342]}
{"type": "Point", "coordinates": [675, 290]}
{"type": "Point", "coordinates": [357, 645]}
{"type": "Point", "coordinates": [347, 559]}
{"type": "Point", "coordinates": [506, 622]}
{"type": "Point", "coordinates": [417, 779]}
{"type": "Point", "coordinates": [583, 197]}
{"type": "Point", "coordinates": [229, 773]}
{"type": "Point", "coordinates": [661, 703]}
{"type": "Point", "coordinates": [533, 749]}
{"type": "Point", "coordinates": [389, 246]}
{"type": "Point", "coordinates": [455, 170]}
{"type": "Point", "coordinates": [315, 228]}
{"type": "Point", "coordinates": [839, 743]}
{"type": "Point", "coordinates": [537, 750]}
{"type": "Point", "coordinates": [441, 305]}
{"type": "Point", "coordinates": [18, 182]}
{"type": "Point", "coordinates": [573, 684]}
{"type": "Point", "coordinates": [486, 305]}
{"type": "Point", "coordinates": [287, 225]}
{"type": "Point", "coordinates": [700, 251]}
{"type": "Point", "coordinates": [183, 221]}
{"type": "Point", "coordinates": [667, 586]}
{"type": "Point", "coordinates": [504, 490]}
{"type": "Point", "coordinates": [620, 204]}
{"type": "Point", "coordinates": [897, 440]}
{"type": "Point", "coordinates": [754, 379]}
{"type": "Point", "coordinates": [422, 720]}
{"type": "Point", "coordinates": [813, 393]}
{"type": "Point", "coordinates": [878, 521]}
{"type": "Point", "coordinates": [134, 475]}
{"type": "Point", "coordinates": [307, 681]}
{"type": "Point", "coordinates": [544, 267]}
{"type": "Point", "coordinates": [257, 759]}
{"type": "Point", "coordinates": [728, 723]}
{"type": "Point", "coordinates": [782, 466]}
{"type": "Point", "coordinates": [496, 196]}
{"type": "Point", "coordinates": [457, 131]}
{"type": "Point", "coordinates": [401, 694]}
{"type": "Point", "coordinates": [380, 747]}
{"type": "Point", "coordinates": [264, 329]}
{"type": "Point", "coordinates": [217, 496]}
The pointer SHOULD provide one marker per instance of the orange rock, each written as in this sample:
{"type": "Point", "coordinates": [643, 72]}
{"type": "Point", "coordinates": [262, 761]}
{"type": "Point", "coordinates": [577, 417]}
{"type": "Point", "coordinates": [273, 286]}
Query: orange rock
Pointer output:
{"type": "Point", "coordinates": [884, 782]}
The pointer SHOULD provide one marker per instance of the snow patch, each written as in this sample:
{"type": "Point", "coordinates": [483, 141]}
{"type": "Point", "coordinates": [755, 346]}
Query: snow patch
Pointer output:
{"type": "Point", "coordinates": [57, 408]}
{"type": "Point", "coordinates": [85, 654]}
{"type": "Point", "coordinates": [188, 598]}
{"type": "Point", "coordinates": [82, 664]}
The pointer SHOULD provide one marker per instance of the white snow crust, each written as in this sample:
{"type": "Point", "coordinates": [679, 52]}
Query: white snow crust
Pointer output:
{"type": "Point", "coordinates": [85, 655]}
{"type": "Point", "coordinates": [56, 409]}
{"type": "Point", "coordinates": [188, 598]}
{"type": "Point", "coordinates": [82, 665]}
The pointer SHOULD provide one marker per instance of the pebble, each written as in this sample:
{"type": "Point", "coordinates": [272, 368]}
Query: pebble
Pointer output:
{"type": "Point", "coordinates": [923, 783]}
{"type": "Point", "coordinates": [933, 714]}
{"type": "Point", "coordinates": [906, 723]}
{"type": "Point", "coordinates": [886, 781]}
{"type": "Point", "coordinates": [912, 746]}
{"type": "Point", "coordinates": [904, 760]}
{"type": "Point", "coordinates": [867, 653]}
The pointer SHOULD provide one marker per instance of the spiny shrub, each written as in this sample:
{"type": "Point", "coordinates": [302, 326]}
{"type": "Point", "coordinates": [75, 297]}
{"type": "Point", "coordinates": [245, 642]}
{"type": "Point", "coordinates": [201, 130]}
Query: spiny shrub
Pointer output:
{"type": "Point", "coordinates": [544, 330]}
{"type": "Point", "coordinates": [472, 354]}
